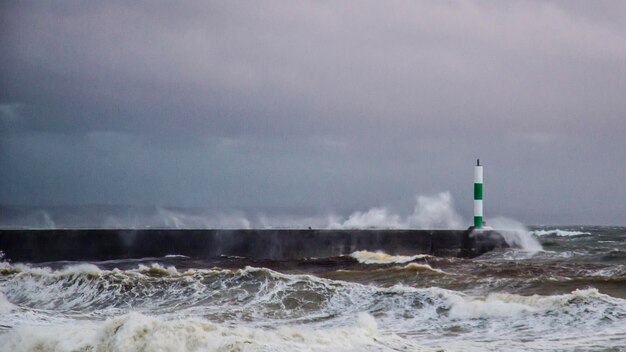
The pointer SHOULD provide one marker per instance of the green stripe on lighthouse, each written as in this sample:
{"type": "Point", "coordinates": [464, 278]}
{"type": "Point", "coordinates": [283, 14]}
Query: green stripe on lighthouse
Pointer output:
{"type": "Point", "coordinates": [478, 221]}
{"type": "Point", "coordinates": [478, 191]}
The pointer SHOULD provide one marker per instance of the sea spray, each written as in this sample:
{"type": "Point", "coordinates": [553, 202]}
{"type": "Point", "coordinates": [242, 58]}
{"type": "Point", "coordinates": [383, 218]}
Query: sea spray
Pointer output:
{"type": "Point", "coordinates": [435, 211]}
{"type": "Point", "coordinates": [179, 220]}
{"type": "Point", "coordinates": [516, 234]}
{"type": "Point", "coordinates": [430, 212]}
{"type": "Point", "coordinates": [373, 218]}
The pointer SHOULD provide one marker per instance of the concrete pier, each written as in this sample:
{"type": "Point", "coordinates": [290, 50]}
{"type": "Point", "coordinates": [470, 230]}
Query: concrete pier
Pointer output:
{"type": "Point", "coordinates": [107, 244]}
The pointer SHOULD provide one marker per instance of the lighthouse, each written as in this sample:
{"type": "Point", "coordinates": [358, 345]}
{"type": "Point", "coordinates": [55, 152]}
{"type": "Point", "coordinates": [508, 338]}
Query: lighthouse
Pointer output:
{"type": "Point", "coordinates": [478, 195]}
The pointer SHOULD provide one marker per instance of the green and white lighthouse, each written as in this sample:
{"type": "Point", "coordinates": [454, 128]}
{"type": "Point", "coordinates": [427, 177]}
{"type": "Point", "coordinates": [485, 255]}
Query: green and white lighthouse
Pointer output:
{"type": "Point", "coordinates": [478, 195]}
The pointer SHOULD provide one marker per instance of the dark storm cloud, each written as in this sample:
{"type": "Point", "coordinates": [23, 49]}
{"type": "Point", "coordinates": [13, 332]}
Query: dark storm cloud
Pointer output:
{"type": "Point", "coordinates": [326, 105]}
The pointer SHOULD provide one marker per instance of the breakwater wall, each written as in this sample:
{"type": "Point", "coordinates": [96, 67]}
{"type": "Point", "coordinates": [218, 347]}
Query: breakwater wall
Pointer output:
{"type": "Point", "coordinates": [25, 245]}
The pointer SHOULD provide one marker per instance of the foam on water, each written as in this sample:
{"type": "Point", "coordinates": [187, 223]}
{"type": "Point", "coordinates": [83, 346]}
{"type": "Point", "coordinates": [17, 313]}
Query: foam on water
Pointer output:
{"type": "Point", "coordinates": [367, 257]}
{"type": "Point", "coordinates": [559, 233]}
{"type": "Point", "coordinates": [511, 305]}
{"type": "Point", "coordinates": [152, 306]}
{"type": "Point", "coordinates": [5, 306]}
{"type": "Point", "coordinates": [137, 332]}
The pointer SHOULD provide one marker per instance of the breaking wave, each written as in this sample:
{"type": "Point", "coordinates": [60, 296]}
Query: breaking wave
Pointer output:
{"type": "Point", "coordinates": [422, 268]}
{"type": "Point", "coordinates": [516, 235]}
{"type": "Point", "coordinates": [138, 332]}
{"type": "Point", "coordinates": [263, 299]}
{"type": "Point", "coordinates": [368, 301]}
{"type": "Point", "coordinates": [559, 233]}
{"type": "Point", "coordinates": [367, 257]}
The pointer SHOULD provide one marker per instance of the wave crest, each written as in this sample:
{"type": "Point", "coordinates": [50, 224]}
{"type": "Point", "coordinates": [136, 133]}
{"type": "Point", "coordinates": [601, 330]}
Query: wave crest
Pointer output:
{"type": "Point", "coordinates": [261, 299]}
{"type": "Point", "coordinates": [367, 257]}
{"type": "Point", "coordinates": [138, 332]}
{"type": "Point", "coordinates": [559, 233]}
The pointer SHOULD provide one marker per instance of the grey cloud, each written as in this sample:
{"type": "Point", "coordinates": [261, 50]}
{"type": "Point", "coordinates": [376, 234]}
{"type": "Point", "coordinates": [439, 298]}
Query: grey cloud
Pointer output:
{"type": "Point", "coordinates": [322, 105]}
{"type": "Point", "coordinates": [224, 67]}
{"type": "Point", "coordinates": [10, 113]}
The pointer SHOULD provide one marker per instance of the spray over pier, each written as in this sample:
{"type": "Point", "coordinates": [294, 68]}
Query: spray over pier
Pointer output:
{"type": "Point", "coordinates": [42, 245]}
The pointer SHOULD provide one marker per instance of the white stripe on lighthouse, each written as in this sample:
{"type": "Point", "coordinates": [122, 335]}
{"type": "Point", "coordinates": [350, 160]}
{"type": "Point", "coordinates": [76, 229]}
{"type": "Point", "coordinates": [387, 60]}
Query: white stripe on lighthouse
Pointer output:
{"type": "Point", "coordinates": [478, 207]}
{"type": "Point", "coordinates": [478, 174]}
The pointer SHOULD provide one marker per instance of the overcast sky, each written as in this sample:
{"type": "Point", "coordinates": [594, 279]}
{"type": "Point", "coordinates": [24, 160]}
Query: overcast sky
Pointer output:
{"type": "Point", "coordinates": [311, 107]}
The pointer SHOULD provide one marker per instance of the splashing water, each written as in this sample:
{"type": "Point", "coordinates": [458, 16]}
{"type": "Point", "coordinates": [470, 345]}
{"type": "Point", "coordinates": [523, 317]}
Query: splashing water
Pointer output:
{"type": "Point", "coordinates": [516, 235]}
{"type": "Point", "coordinates": [178, 220]}
{"type": "Point", "coordinates": [373, 218]}
{"type": "Point", "coordinates": [435, 211]}
{"type": "Point", "coordinates": [430, 212]}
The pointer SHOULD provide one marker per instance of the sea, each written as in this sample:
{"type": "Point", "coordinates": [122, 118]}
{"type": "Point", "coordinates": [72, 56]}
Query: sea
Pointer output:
{"type": "Point", "coordinates": [568, 293]}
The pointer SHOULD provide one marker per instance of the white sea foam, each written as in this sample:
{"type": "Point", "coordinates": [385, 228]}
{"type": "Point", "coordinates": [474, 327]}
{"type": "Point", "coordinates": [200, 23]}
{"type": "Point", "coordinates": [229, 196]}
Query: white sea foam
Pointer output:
{"type": "Point", "coordinates": [367, 257]}
{"type": "Point", "coordinates": [490, 306]}
{"type": "Point", "coordinates": [5, 306]}
{"type": "Point", "coordinates": [510, 305]}
{"type": "Point", "coordinates": [415, 267]}
{"type": "Point", "coordinates": [91, 269]}
{"type": "Point", "coordinates": [601, 341]}
{"type": "Point", "coordinates": [152, 306]}
{"type": "Point", "coordinates": [79, 269]}
{"type": "Point", "coordinates": [559, 233]}
{"type": "Point", "coordinates": [137, 332]}
{"type": "Point", "coordinates": [614, 271]}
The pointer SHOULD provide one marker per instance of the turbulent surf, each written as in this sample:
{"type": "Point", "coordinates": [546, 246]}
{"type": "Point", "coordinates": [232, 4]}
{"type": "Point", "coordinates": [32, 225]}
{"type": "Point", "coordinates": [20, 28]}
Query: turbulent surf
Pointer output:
{"type": "Point", "coordinates": [570, 296]}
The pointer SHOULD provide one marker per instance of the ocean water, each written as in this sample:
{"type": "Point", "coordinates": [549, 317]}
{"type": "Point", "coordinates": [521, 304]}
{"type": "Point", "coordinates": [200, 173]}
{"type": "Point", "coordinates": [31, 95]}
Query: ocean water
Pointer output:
{"type": "Point", "coordinates": [569, 296]}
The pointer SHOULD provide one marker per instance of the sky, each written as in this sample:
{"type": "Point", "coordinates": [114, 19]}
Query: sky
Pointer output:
{"type": "Point", "coordinates": [311, 107]}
